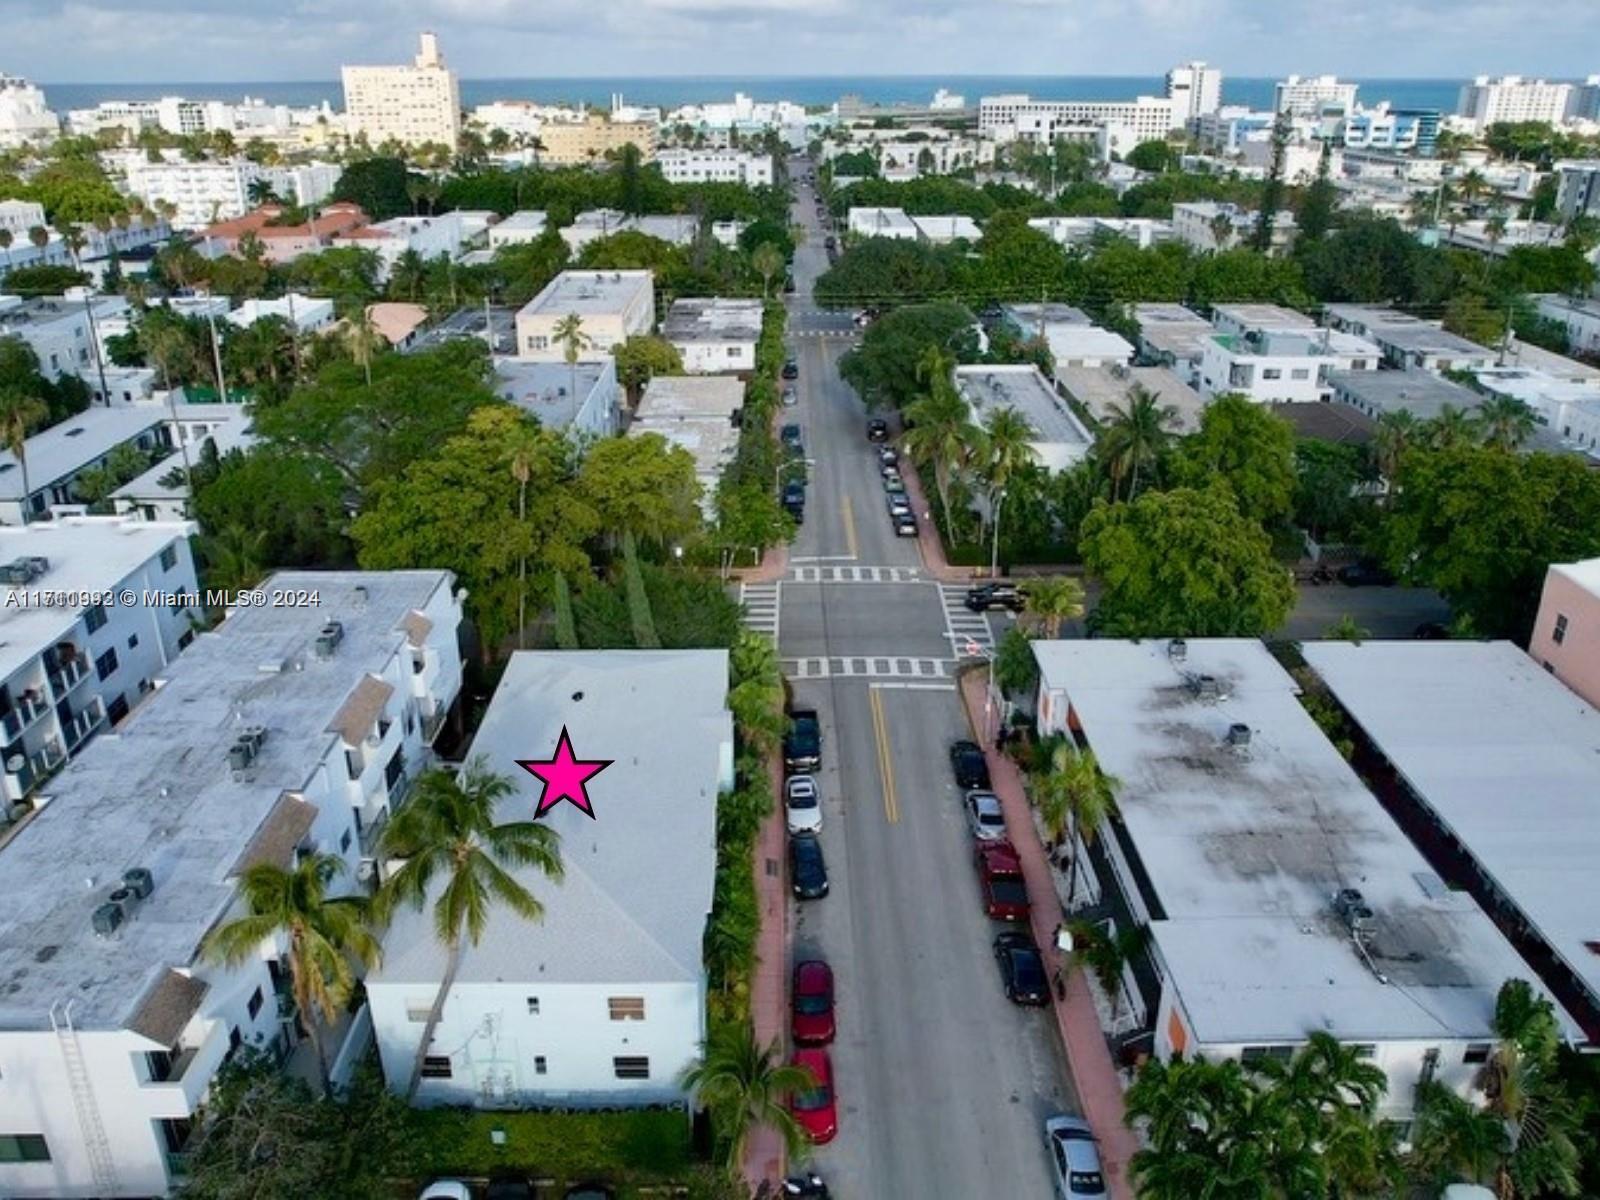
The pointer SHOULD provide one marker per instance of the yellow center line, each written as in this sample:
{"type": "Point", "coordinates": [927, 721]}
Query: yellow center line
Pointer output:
{"type": "Point", "coordinates": [849, 525]}
{"type": "Point", "coordinates": [880, 734]}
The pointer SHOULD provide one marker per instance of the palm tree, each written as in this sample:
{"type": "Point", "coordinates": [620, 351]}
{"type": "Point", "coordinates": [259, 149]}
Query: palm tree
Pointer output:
{"type": "Point", "coordinates": [409, 275]}
{"type": "Point", "coordinates": [1347, 629]}
{"type": "Point", "coordinates": [1135, 436]}
{"type": "Point", "coordinates": [1074, 798]}
{"type": "Point", "coordinates": [940, 426]}
{"type": "Point", "coordinates": [767, 259]}
{"type": "Point", "coordinates": [324, 937]}
{"type": "Point", "coordinates": [522, 472]}
{"type": "Point", "coordinates": [1526, 1092]}
{"type": "Point", "coordinates": [1453, 1139]}
{"type": "Point", "coordinates": [447, 834]}
{"type": "Point", "coordinates": [755, 695]}
{"type": "Point", "coordinates": [569, 335]}
{"type": "Point", "coordinates": [1505, 422]}
{"type": "Point", "coordinates": [362, 338]}
{"type": "Point", "coordinates": [1495, 228]}
{"type": "Point", "coordinates": [1397, 432]}
{"type": "Point", "coordinates": [1006, 447]}
{"type": "Point", "coordinates": [233, 557]}
{"type": "Point", "coordinates": [19, 414]}
{"type": "Point", "coordinates": [745, 1085]}
{"type": "Point", "coordinates": [1052, 600]}
{"type": "Point", "coordinates": [1451, 427]}
{"type": "Point", "coordinates": [1472, 185]}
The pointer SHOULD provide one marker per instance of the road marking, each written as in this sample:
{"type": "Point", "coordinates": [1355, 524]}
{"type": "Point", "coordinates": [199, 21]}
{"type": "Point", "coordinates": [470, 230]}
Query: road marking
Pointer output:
{"type": "Point", "coordinates": [824, 558]}
{"type": "Point", "coordinates": [828, 574]}
{"type": "Point", "coordinates": [872, 666]}
{"type": "Point", "coordinates": [849, 525]}
{"type": "Point", "coordinates": [961, 624]}
{"type": "Point", "coordinates": [880, 734]}
{"type": "Point", "coordinates": [762, 603]}
{"type": "Point", "coordinates": [896, 686]}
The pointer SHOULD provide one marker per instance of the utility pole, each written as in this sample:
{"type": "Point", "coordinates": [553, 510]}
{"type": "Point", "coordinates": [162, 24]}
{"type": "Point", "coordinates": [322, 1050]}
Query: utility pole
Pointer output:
{"type": "Point", "coordinates": [94, 345]}
{"type": "Point", "coordinates": [216, 357]}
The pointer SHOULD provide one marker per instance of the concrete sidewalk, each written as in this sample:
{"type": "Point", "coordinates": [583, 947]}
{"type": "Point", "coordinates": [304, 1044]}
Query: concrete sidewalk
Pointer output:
{"type": "Point", "coordinates": [1093, 1073]}
{"type": "Point", "coordinates": [769, 984]}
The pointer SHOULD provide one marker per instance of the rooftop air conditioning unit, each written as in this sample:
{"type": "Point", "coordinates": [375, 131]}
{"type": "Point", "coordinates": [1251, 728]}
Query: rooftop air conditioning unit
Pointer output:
{"type": "Point", "coordinates": [254, 735]}
{"type": "Point", "coordinates": [139, 881]}
{"type": "Point", "coordinates": [107, 919]}
{"type": "Point", "coordinates": [1239, 735]}
{"type": "Point", "coordinates": [125, 898]}
{"type": "Point", "coordinates": [1177, 650]}
{"type": "Point", "coordinates": [1351, 906]}
{"type": "Point", "coordinates": [328, 639]}
{"type": "Point", "coordinates": [240, 755]}
{"type": "Point", "coordinates": [1208, 687]}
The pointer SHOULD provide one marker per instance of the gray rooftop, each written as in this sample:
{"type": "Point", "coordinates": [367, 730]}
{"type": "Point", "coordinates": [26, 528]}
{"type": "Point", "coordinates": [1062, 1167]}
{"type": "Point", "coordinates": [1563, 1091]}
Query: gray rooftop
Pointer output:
{"type": "Point", "coordinates": [669, 397]}
{"type": "Point", "coordinates": [1024, 389]}
{"type": "Point", "coordinates": [1506, 758]}
{"type": "Point", "coordinates": [1245, 850]}
{"type": "Point", "coordinates": [638, 877]}
{"type": "Point", "coordinates": [1262, 316]}
{"type": "Point", "coordinates": [587, 293]}
{"type": "Point", "coordinates": [66, 448]}
{"type": "Point", "coordinates": [1426, 338]}
{"type": "Point", "coordinates": [1421, 393]}
{"type": "Point", "coordinates": [158, 793]}
{"type": "Point", "coordinates": [1098, 388]}
{"type": "Point", "coordinates": [233, 433]}
{"type": "Point", "coordinates": [713, 320]}
{"type": "Point", "coordinates": [1026, 317]}
{"type": "Point", "coordinates": [44, 311]}
{"type": "Point", "coordinates": [1557, 366]}
{"type": "Point", "coordinates": [1172, 329]}
{"type": "Point", "coordinates": [545, 389]}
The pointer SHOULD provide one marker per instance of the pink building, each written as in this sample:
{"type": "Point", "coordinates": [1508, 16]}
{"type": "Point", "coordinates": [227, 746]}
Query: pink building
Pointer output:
{"type": "Point", "coordinates": [1566, 637]}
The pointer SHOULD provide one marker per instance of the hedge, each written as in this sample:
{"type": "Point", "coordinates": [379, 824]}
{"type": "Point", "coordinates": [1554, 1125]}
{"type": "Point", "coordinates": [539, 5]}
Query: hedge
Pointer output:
{"type": "Point", "coordinates": [637, 1144]}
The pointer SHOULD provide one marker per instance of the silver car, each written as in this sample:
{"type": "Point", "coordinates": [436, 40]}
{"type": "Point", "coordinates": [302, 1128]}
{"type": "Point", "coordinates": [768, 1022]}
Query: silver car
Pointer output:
{"type": "Point", "coordinates": [802, 804]}
{"type": "Point", "coordinates": [984, 817]}
{"type": "Point", "coordinates": [1074, 1159]}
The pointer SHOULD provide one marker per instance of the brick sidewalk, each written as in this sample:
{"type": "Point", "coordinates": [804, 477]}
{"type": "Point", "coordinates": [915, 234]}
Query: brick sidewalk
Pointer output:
{"type": "Point", "coordinates": [769, 985]}
{"type": "Point", "coordinates": [1088, 1058]}
{"type": "Point", "coordinates": [932, 545]}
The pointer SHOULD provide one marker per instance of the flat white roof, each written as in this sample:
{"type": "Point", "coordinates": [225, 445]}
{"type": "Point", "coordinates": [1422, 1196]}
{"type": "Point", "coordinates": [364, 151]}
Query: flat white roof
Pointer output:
{"type": "Point", "coordinates": [544, 389]}
{"type": "Point", "coordinates": [587, 293]}
{"type": "Point", "coordinates": [669, 397]}
{"type": "Point", "coordinates": [86, 554]}
{"type": "Point", "coordinates": [1087, 341]}
{"type": "Point", "coordinates": [1023, 388]}
{"type": "Point", "coordinates": [716, 319]}
{"type": "Point", "coordinates": [1263, 316]}
{"type": "Point", "coordinates": [1505, 757]}
{"type": "Point", "coordinates": [524, 218]}
{"type": "Point", "coordinates": [1245, 849]}
{"type": "Point", "coordinates": [66, 448]}
{"type": "Point", "coordinates": [228, 435]}
{"type": "Point", "coordinates": [884, 221]}
{"type": "Point", "coordinates": [1098, 388]}
{"type": "Point", "coordinates": [948, 228]}
{"type": "Point", "coordinates": [632, 906]}
{"type": "Point", "coordinates": [158, 793]}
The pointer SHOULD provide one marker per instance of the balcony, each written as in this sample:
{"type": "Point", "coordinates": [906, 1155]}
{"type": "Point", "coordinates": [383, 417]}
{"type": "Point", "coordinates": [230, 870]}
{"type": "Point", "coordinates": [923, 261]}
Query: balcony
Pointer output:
{"type": "Point", "coordinates": [68, 676]}
{"type": "Point", "coordinates": [432, 723]}
{"type": "Point", "coordinates": [29, 708]}
{"type": "Point", "coordinates": [77, 730]}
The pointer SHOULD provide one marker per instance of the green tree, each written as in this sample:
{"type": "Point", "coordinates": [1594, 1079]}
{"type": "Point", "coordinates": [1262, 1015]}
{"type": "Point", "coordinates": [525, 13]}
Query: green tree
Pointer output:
{"type": "Point", "coordinates": [323, 937]}
{"type": "Point", "coordinates": [1453, 1140]}
{"type": "Point", "coordinates": [749, 517]}
{"type": "Point", "coordinates": [458, 860]}
{"type": "Point", "coordinates": [1053, 599]}
{"type": "Point", "coordinates": [1247, 447]}
{"type": "Point", "coordinates": [378, 185]}
{"type": "Point", "coordinates": [566, 629]}
{"type": "Point", "coordinates": [1184, 563]}
{"type": "Point", "coordinates": [941, 431]}
{"type": "Point", "coordinates": [1318, 205]}
{"type": "Point", "coordinates": [1003, 449]}
{"type": "Point", "coordinates": [883, 367]}
{"type": "Point", "coordinates": [20, 413]}
{"type": "Point", "coordinates": [1135, 438]}
{"type": "Point", "coordinates": [1347, 629]}
{"type": "Point", "coordinates": [234, 558]}
{"type": "Point", "coordinates": [364, 341]}
{"type": "Point", "coordinates": [1272, 190]}
{"type": "Point", "coordinates": [1152, 156]}
{"type": "Point", "coordinates": [1505, 422]}
{"type": "Point", "coordinates": [1074, 799]}
{"type": "Point", "coordinates": [569, 335]}
{"type": "Point", "coordinates": [644, 623]}
{"type": "Point", "coordinates": [755, 695]}
{"type": "Point", "coordinates": [304, 526]}
{"type": "Point", "coordinates": [1396, 433]}
{"type": "Point", "coordinates": [744, 1085]}
{"type": "Point", "coordinates": [767, 260]}
{"type": "Point", "coordinates": [643, 486]}
{"type": "Point", "coordinates": [641, 358]}
{"type": "Point", "coordinates": [1015, 668]}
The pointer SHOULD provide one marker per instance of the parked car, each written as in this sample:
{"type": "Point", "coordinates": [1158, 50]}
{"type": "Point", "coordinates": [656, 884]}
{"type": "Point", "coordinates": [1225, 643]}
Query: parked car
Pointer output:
{"type": "Point", "coordinates": [812, 1003]}
{"type": "Point", "coordinates": [1005, 896]}
{"type": "Point", "coordinates": [1365, 574]}
{"type": "Point", "coordinates": [898, 492]}
{"type": "Point", "coordinates": [446, 1189]}
{"type": "Point", "coordinates": [508, 1187]}
{"type": "Point", "coordinates": [1075, 1159]}
{"type": "Point", "coordinates": [790, 396]}
{"type": "Point", "coordinates": [970, 767]}
{"type": "Point", "coordinates": [905, 525]}
{"type": "Point", "coordinates": [996, 595]}
{"type": "Point", "coordinates": [791, 369]}
{"type": "Point", "coordinates": [815, 1108]}
{"type": "Point", "coordinates": [892, 480]}
{"type": "Point", "coordinates": [808, 874]}
{"type": "Point", "coordinates": [802, 804]}
{"type": "Point", "coordinates": [985, 818]}
{"type": "Point", "coordinates": [1021, 969]}
{"type": "Point", "coordinates": [888, 456]}
{"type": "Point", "coordinates": [877, 430]}
{"type": "Point", "coordinates": [805, 1187]}
{"type": "Point", "coordinates": [802, 744]}
{"type": "Point", "coordinates": [790, 436]}
{"type": "Point", "coordinates": [794, 500]}
{"type": "Point", "coordinates": [897, 503]}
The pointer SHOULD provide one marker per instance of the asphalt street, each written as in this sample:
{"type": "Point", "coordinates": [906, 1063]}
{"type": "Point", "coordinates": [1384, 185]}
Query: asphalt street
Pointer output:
{"type": "Point", "coordinates": [943, 1084]}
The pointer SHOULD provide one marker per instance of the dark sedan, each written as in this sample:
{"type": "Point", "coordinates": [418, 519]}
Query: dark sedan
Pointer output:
{"type": "Point", "coordinates": [1021, 969]}
{"type": "Point", "coordinates": [971, 769]}
{"type": "Point", "coordinates": [995, 595]}
{"type": "Point", "coordinates": [808, 874]}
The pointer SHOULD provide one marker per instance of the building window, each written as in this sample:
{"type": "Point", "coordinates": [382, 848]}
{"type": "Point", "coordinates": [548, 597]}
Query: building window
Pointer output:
{"type": "Point", "coordinates": [185, 638]}
{"type": "Point", "coordinates": [1559, 634]}
{"type": "Point", "coordinates": [417, 1011]}
{"type": "Point", "coordinates": [1477, 1052]}
{"type": "Point", "coordinates": [117, 709]}
{"type": "Point", "coordinates": [106, 665]}
{"type": "Point", "coordinates": [94, 618]}
{"type": "Point", "coordinates": [1271, 373]}
{"type": "Point", "coordinates": [1252, 1054]}
{"type": "Point", "coordinates": [436, 1066]}
{"type": "Point", "coordinates": [626, 1008]}
{"type": "Point", "coordinates": [169, 558]}
{"type": "Point", "coordinates": [344, 842]}
{"type": "Point", "coordinates": [133, 641]}
{"type": "Point", "coordinates": [1365, 1050]}
{"type": "Point", "coordinates": [533, 1006]}
{"type": "Point", "coordinates": [631, 1067]}
{"type": "Point", "coordinates": [256, 1001]}
{"type": "Point", "coordinates": [538, 1064]}
{"type": "Point", "coordinates": [1300, 373]}
{"type": "Point", "coordinates": [23, 1147]}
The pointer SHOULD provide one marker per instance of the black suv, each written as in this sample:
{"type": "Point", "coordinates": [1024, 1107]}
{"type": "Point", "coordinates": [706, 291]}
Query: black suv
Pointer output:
{"type": "Point", "coordinates": [794, 500]}
{"type": "Point", "coordinates": [969, 765]}
{"type": "Point", "coordinates": [877, 430]}
{"type": "Point", "coordinates": [808, 874]}
{"type": "Point", "coordinates": [996, 595]}
{"type": "Point", "coordinates": [791, 369]}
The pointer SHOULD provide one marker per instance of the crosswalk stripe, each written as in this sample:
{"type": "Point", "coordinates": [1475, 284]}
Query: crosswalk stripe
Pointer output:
{"type": "Point", "coordinates": [874, 667]}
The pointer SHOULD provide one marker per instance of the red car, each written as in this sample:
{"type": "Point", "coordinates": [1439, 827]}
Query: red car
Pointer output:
{"type": "Point", "coordinates": [1005, 896]}
{"type": "Point", "coordinates": [812, 1000]}
{"type": "Point", "coordinates": [814, 1107]}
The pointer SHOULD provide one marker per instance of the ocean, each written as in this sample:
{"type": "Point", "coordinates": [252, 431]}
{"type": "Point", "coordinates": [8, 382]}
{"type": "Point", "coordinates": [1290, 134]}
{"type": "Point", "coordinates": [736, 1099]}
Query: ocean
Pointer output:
{"type": "Point", "coordinates": [669, 92]}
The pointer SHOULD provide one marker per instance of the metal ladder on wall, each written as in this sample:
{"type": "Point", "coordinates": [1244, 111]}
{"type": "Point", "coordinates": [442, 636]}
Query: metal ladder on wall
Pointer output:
{"type": "Point", "coordinates": [101, 1162]}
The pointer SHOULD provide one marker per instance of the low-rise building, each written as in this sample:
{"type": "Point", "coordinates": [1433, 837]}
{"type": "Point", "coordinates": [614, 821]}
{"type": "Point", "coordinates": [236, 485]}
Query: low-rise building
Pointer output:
{"type": "Point", "coordinates": [526, 225]}
{"type": "Point", "coordinates": [677, 229]}
{"type": "Point", "coordinates": [593, 139]}
{"type": "Point", "coordinates": [306, 314]}
{"type": "Point", "coordinates": [1382, 393]}
{"type": "Point", "coordinates": [1569, 411]}
{"type": "Point", "coordinates": [881, 222]}
{"type": "Point", "coordinates": [54, 458]}
{"type": "Point", "coordinates": [399, 323]}
{"type": "Point", "coordinates": [439, 236]}
{"type": "Point", "coordinates": [698, 413]}
{"type": "Point", "coordinates": [1281, 898]}
{"type": "Point", "coordinates": [1578, 188]}
{"type": "Point", "coordinates": [1312, 96]}
{"type": "Point", "coordinates": [1087, 346]}
{"type": "Point", "coordinates": [161, 493]}
{"type": "Point", "coordinates": [534, 1016]}
{"type": "Point", "coordinates": [204, 193]}
{"type": "Point", "coordinates": [612, 306]}
{"type": "Point", "coordinates": [942, 230]}
{"type": "Point", "coordinates": [1580, 316]}
{"type": "Point", "coordinates": [19, 217]}
{"type": "Point", "coordinates": [63, 331]}
{"type": "Point", "coordinates": [1059, 439]}
{"type": "Point", "coordinates": [291, 728]}
{"type": "Point", "coordinates": [1495, 765]}
{"type": "Point", "coordinates": [583, 399]}
{"type": "Point", "coordinates": [1143, 232]}
{"type": "Point", "coordinates": [1409, 342]}
{"type": "Point", "coordinates": [716, 166]}
{"type": "Point", "coordinates": [281, 243]}
{"type": "Point", "coordinates": [1566, 634]}
{"type": "Point", "coordinates": [71, 670]}
{"type": "Point", "coordinates": [1172, 336]}
{"type": "Point", "coordinates": [1249, 317]}
{"type": "Point", "coordinates": [1209, 226]}
{"type": "Point", "coordinates": [1282, 365]}
{"type": "Point", "coordinates": [714, 335]}
{"type": "Point", "coordinates": [1099, 389]}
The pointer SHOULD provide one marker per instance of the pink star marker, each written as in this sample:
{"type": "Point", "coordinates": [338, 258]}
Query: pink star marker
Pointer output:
{"type": "Point", "coordinates": [564, 777]}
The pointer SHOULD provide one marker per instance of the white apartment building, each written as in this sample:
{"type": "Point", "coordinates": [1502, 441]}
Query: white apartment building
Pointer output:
{"type": "Point", "coordinates": [1581, 318]}
{"type": "Point", "coordinates": [612, 306]}
{"type": "Point", "coordinates": [699, 414]}
{"type": "Point", "coordinates": [1490, 100]}
{"type": "Point", "coordinates": [1586, 100]}
{"type": "Point", "coordinates": [1283, 365]}
{"type": "Point", "coordinates": [1194, 90]}
{"type": "Point", "coordinates": [677, 229]}
{"type": "Point", "coordinates": [156, 495]}
{"type": "Point", "coordinates": [428, 237]}
{"type": "Point", "coordinates": [1143, 232]}
{"type": "Point", "coordinates": [1578, 189]}
{"type": "Point", "coordinates": [716, 166]}
{"type": "Point", "coordinates": [534, 1016]}
{"type": "Point", "coordinates": [714, 336]}
{"type": "Point", "coordinates": [1208, 225]}
{"type": "Point", "coordinates": [24, 115]}
{"type": "Point", "coordinates": [288, 729]}
{"type": "Point", "coordinates": [741, 113]}
{"type": "Point", "coordinates": [1570, 409]}
{"type": "Point", "coordinates": [583, 399]}
{"type": "Point", "coordinates": [17, 217]}
{"type": "Point", "coordinates": [411, 105]}
{"type": "Point", "coordinates": [1280, 897]}
{"type": "Point", "coordinates": [56, 456]}
{"type": "Point", "coordinates": [524, 226]}
{"type": "Point", "coordinates": [1005, 118]}
{"type": "Point", "coordinates": [307, 314]}
{"type": "Point", "coordinates": [1059, 439]}
{"type": "Point", "coordinates": [62, 330]}
{"type": "Point", "coordinates": [1173, 336]}
{"type": "Point", "coordinates": [1309, 96]}
{"type": "Point", "coordinates": [881, 222]}
{"type": "Point", "coordinates": [207, 192]}
{"type": "Point", "coordinates": [70, 671]}
{"type": "Point", "coordinates": [1409, 342]}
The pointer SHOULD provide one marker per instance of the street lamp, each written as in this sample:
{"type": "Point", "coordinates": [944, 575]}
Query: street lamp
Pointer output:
{"type": "Point", "coordinates": [994, 554]}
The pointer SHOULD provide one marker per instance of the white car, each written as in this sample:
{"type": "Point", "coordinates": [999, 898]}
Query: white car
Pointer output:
{"type": "Point", "coordinates": [446, 1189]}
{"type": "Point", "coordinates": [1075, 1159]}
{"type": "Point", "coordinates": [985, 818]}
{"type": "Point", "coordinates": [802, 804]}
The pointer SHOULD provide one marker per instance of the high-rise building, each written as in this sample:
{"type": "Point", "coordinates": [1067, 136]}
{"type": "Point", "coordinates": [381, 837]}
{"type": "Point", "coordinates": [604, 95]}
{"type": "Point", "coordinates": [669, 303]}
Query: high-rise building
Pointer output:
{"type": "Point", "coordinates": [1489, 100]}
{"type": "Point", "coordinates": [24, 116]}
{"type": "Point", "coordinates": [1310, 97]}
{"type": "Point", "coordinates": [411, 105]}
{"type": "Point", "coordinates": [1586, 100]}
{"type": "Point", "coordinates": [1195, 90]}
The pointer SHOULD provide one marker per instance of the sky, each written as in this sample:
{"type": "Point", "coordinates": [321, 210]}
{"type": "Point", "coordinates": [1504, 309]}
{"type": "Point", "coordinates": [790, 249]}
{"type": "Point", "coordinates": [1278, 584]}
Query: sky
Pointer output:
{"type": "Point", "coordinates": [223, 40]}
